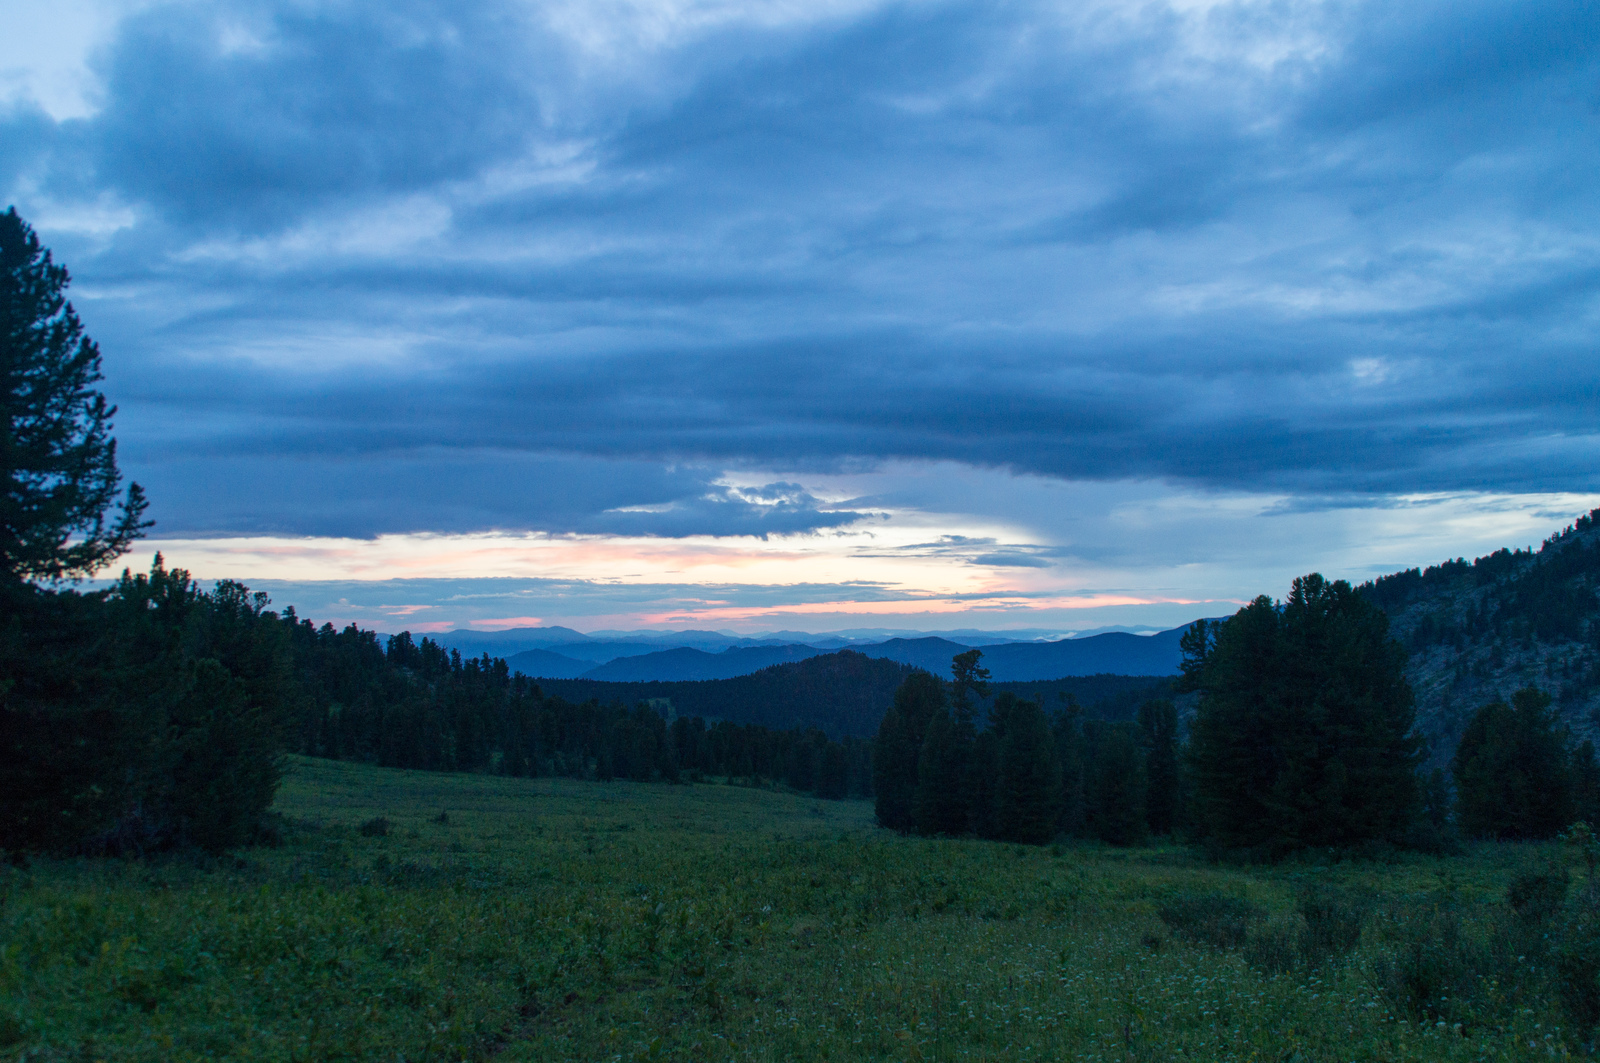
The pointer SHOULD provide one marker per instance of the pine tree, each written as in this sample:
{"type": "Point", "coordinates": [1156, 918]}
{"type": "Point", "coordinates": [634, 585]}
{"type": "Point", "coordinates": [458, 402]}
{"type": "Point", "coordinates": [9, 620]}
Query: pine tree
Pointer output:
{"type": "Point", "coordinates": [983, 776]}
{"type": "Point", "coordinates": [1028, 792]}
{"type": "Point", "coordinates": [1066, 730]}
{"type": "Point", "coordinates": [975, 780]}
{"type": "Point", "coordinates": [1158, 737]}
{"type": "Point", "coordinates": [939, 805]}
{"type": "Point", "coordinates": [70, 741]}
{"type": "Point", "coordinates": [899, 745]}
{"type": "Point", "coordinates": [1116, 785]}
{"type": "Point", "coordinates": [58, 463]}
{"type": "Point", "coordinates": [1514, 771]}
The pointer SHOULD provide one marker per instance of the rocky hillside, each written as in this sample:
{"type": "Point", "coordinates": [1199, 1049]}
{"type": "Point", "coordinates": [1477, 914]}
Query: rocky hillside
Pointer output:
{"type": "Point", "coordinates": [1482, 629]}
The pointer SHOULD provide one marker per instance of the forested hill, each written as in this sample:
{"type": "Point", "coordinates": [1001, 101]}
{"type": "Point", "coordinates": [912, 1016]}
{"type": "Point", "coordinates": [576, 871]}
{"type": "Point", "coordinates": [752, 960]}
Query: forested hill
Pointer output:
{"type": "Point", "coordinates": [1481, 630]}
{"type": "Point", "coordinates": [843, 693]}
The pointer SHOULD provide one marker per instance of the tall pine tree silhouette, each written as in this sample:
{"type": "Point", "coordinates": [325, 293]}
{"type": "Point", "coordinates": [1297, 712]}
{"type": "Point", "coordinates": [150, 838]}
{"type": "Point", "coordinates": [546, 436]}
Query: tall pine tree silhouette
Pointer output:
{"type": "Point", "coordinates": [1158, 735]}
{"type": "Point", "coordinates": [899, 745]}
{"type": "Point", "coordinates": [1116, 784]}
{"type": "Point", "coordinates": [1028, 792]}
{"type": "Point", "coordinates": [940, 805]}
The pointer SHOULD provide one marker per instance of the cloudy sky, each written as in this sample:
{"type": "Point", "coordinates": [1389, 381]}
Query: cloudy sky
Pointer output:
{"type": "Point", "coordinates": [824, 314]}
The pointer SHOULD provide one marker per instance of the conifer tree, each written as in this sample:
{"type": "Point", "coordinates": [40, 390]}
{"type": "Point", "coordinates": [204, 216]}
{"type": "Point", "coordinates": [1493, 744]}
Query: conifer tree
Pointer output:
{"type": "Point", "coordinates": [58, 462]}
{"type": "Point", "coordinates": [1513, 770]}
{"type": "Point", "coordinates": [974, 790]}
{"type": "Point", "coordinates": [940, 806]}
{"type": "Point", "coordinates": [1066, 729]}
{"type": "Point", "coordinates": [1028, 791]}
{"type": "Point", "coordinates": [899, 745]}
{"type": "Point", "coordinates": [983, 776]}
{"type": "Point", "coordinates": [1116, 785]}
{"type": "Point", "coordinates": [1158, 736]}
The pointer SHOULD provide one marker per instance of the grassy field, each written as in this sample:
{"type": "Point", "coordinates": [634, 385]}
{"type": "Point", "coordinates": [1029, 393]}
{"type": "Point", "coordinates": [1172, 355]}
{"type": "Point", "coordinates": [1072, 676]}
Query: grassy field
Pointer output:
{"type": "Point", "coordinates": [550, 919]}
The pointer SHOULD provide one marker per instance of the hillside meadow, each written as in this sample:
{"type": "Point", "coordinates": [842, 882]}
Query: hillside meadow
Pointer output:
{"type": "Point", "coordinates": [423, 916]}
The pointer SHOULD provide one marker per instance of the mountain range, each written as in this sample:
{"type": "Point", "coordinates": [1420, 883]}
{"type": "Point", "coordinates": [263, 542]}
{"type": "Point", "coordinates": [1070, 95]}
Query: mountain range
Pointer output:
{"type": "Point", "coordinates": [561, 653]}
{"type": "Point", "coordinates": [842, 692]}
{"type": "Point", "coordinates": [1476, 631]}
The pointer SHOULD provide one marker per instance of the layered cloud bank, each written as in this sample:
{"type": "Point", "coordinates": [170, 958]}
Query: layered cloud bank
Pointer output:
{"type": "Point", "coordinates": [952, 299]}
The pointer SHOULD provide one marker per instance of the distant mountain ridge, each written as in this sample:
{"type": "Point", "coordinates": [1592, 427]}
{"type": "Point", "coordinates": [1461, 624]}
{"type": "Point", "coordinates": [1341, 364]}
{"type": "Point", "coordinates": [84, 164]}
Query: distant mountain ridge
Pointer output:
{"type": "Point", "coordinates": [688, 663]}
{"type": "Point", "coordinates": [842, 692]}
{"type": "Point", "coordinates": [1117, 653]}
{"type": "Point", "coordinates": [1476, 631]}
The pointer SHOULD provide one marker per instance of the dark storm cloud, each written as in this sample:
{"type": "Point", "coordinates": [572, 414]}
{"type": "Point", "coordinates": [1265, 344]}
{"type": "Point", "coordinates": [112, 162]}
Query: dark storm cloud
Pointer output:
{"type": "Point", "coordinates": [246, 116]}
{"type": "Point", "coordinates": [1083, 249]}
{"type": "Point", "coordinates": [454, 490]}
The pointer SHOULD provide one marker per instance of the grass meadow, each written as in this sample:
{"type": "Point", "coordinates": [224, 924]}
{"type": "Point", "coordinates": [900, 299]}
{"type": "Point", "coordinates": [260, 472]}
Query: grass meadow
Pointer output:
{"type": "Point", "coordinates": [415, 916]}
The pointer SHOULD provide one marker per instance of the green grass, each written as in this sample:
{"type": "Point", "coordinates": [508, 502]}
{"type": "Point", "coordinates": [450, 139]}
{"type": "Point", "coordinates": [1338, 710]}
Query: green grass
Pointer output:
{"type": "Point", "coordinates": [551, 919]}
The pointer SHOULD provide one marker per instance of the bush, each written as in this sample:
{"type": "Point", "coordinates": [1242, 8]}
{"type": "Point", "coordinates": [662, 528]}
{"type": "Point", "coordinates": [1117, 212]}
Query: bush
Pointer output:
{"type": "Point", "coordinates": [1214, 919]}
{"type": "Point", "coordinates": [147, 717]}
{"type": "Point", "coordinates": [1537, 896]}
{"type": "Point", "coordinates": [377, 827]}
{"type": "Point", "coordinates": [1434, 967]}
{"type": "Point", "coordinates": [1577, 960]}
{"type": "Point", "coordinates": [1333, 921]}
{"type": "Point", "coordinates": [1326, 924]}
{"type": "Point", "coordinates": [1276, 946]}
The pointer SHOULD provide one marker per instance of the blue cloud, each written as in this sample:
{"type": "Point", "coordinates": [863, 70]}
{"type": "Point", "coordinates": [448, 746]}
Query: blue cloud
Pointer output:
{"type": "Point", "coordinates": [962, 232]}
{"type": "Point", "coordinates": [245, 115]}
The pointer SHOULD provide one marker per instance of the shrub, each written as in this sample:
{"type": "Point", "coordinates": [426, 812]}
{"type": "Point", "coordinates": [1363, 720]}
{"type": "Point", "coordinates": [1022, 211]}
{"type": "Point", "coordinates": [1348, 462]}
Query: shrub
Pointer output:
{"type": "Point", "coordinates": [1276, 946]}
{"type": "Point", "coordinates": [1536, 896]}
{"type": "Point", "coordinates": [1433, 966]}
{"type": "Point", "coordinates": [1333, 921]}
{"type": "Point", "coordinates": [1577, 960]}
{"type": "Point", "coordinates": [377, 827]}
{"type": "Point", "coordinates": [1214, 919]}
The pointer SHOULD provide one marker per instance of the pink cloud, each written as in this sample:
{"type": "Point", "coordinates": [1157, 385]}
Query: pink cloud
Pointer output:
{"type": "Point", "coordinates": [501, 623]}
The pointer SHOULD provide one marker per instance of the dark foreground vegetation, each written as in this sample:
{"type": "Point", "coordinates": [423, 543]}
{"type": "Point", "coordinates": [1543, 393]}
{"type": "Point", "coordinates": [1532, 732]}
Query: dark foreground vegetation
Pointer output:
{"type": "Point", "coordinates": [434, 916]}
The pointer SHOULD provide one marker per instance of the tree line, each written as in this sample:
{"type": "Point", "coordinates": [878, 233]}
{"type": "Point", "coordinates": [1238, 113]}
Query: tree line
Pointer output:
{"type": "Point", "coordinates": [1302, 737]}
{"type": "Point", "coordinates": [157, 714]}
{"type": "Point", "coordinates": [409, 703]}
{"type": "Point", "coordinates": [1028, 775]}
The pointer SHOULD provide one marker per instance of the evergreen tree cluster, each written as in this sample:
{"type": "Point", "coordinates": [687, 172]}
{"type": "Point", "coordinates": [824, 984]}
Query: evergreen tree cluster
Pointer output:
{"type": "Point", "coordinates": [1028, 776]}
{"type": "Point", "coordinates": [1518, 775]}
{"type": "Point", "coordinates": [1304, 735]}
{"type": "Point", "coordinates": [157, 714]}
{"type": "Point", "coordinates": [1552, 594]}
{"type": "Point", "coordinates": [407, 703]}
{"type": "Point", "coordinates": [150, 715]}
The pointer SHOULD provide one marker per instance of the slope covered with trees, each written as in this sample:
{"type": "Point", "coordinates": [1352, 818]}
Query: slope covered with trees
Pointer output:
{"type": "Point", "coordinates": [1479, 631]}
{"type": "Point", "coordinates": [843, 693]}
{"type": "Point", "coordinates": [413, 704]}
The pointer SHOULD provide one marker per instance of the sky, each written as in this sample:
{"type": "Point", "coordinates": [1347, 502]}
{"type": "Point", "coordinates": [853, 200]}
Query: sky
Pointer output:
{"type": "Point", "coordinates": [827, 314]}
